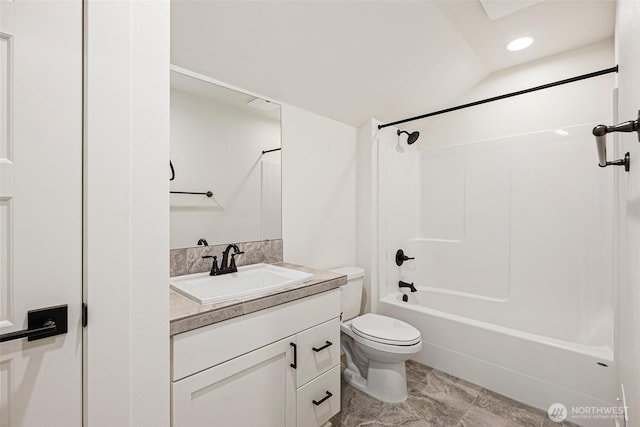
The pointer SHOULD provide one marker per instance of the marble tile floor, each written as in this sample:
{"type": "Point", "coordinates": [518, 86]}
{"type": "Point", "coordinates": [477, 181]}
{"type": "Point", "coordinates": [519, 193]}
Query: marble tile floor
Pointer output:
{"type": "Point", "coordinates": [438, 399]}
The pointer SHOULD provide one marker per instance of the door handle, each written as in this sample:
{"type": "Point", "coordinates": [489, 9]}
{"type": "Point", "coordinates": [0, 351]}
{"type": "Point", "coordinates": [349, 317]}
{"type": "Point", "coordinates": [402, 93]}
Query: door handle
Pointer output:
{"type": "Point", "coordinates": [294, 365]}
{"type": "Point", "coordinates": [42, 323]}
{"type": "Point", "coordinates": [601, 131]}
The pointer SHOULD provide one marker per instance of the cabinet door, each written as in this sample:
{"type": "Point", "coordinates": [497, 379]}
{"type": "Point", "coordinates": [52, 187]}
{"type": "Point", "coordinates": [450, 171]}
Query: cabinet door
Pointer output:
{"type": "Point", "coordinates": [255, 389]}
{"type": "Point", "coordinates": [318, 350]}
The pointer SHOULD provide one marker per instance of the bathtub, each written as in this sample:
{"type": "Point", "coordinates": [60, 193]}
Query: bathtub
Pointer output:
{"type": "Point", "coordinates": [527, 367]}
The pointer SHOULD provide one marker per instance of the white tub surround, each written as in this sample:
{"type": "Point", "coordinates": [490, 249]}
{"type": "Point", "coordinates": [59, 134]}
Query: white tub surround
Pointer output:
{"type": "Point", "coordinates": [512, 224]}
{"type": "Point", "coordinates": [513, 263]}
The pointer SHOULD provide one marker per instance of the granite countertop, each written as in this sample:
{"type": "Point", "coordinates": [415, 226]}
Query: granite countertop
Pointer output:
{"type": "Point", "coordinates": [186, 314]}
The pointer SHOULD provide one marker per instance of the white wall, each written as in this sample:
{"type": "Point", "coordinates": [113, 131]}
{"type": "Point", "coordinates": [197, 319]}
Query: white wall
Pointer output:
{"type": "Point", "coordinates": [126, 219]}
{"type": "Point", "coordinates": [586, 101]}
{"type": "Point", "coordinates": [218, 147]}
{"type": "Point", "coordinates": [318, 190]}
{"type": "Point", "coordinates": [627, 36]}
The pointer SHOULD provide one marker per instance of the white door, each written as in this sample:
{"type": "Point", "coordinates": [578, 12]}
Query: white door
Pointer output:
{"type": "Point", "coordinates": [40, 208]}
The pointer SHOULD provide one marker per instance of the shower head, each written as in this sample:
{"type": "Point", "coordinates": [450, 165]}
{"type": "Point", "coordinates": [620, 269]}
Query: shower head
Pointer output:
{"type": "Point", "coordinates": [411, 137]}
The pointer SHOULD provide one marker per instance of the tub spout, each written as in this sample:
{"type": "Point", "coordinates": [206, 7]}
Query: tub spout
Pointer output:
{"type": "Point", "coordinates": [402, 284]}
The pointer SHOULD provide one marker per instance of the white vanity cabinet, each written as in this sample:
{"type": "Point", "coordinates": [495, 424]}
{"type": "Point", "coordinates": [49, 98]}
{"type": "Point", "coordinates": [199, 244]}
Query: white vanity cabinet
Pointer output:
{"type": "Point", "coordinates": [275, 367]}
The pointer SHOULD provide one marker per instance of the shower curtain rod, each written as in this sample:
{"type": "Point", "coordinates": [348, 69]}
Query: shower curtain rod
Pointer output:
{"type": "Point", "coordinates": [507, 95]}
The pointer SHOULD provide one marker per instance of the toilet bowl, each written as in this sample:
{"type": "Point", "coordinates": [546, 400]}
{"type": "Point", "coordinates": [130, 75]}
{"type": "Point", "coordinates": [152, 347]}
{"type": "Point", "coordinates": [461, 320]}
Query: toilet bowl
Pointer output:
{"type": "Point", "coordinates": [376, 347]}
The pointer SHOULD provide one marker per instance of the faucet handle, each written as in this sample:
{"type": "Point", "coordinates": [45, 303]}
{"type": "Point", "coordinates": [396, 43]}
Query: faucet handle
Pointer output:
{"type": "Point", "coordinates": [214, 266]}
{"type": "Point", "coordinates": [232, 265]}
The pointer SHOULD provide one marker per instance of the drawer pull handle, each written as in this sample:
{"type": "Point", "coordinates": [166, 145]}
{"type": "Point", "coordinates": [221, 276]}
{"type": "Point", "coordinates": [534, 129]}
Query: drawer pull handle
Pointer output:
{"type": "Point", "coordinates": [294, 365]}
{"type": "Point", "coordinates": [318, 402]}
{"type": "Point", "coordinates": [328, 344]}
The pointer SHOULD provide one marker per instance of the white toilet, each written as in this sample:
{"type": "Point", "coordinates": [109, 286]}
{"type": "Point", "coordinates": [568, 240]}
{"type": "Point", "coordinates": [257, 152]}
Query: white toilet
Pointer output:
{"type": "Point", "coordinates": [375, 346]}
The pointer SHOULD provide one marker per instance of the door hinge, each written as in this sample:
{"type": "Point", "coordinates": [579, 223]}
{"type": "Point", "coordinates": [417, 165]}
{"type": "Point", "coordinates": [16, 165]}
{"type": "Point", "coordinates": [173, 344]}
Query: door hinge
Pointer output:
{"type": "Point", "coordinates": [85, 315]}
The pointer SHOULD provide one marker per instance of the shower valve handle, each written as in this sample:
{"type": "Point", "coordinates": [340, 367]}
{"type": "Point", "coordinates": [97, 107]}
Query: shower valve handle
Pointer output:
{"type": "Point", "coordinates": [401, 257]}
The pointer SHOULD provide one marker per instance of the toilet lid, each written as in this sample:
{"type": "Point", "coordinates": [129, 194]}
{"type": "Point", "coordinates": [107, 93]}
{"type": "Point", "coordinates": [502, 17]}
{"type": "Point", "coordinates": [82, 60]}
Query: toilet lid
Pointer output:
{"type": "Point", "coordinates": [385, 330]}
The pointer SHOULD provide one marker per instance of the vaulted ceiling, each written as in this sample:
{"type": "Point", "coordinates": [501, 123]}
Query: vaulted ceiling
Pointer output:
{"type": "Point", "coordinates": [353, 60]}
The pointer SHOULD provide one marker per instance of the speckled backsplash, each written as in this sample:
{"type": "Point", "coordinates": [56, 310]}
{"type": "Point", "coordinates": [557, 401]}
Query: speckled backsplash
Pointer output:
{"type": "Point", "coordinates": [189, 260]}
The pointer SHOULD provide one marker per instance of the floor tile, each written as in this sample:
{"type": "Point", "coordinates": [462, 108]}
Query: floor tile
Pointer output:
{"type": "Point", "coordinates": [442, 399]}
{"type": "Point", "coordinates": [416, 372]}
{"type": "Point", "coordinates": [478, 417]}
{"type": "Point", "coordinates": [517, 412]}
{"type": "Point", "coordinates": [437, 399]}
{"type": "Point", "coordinates": [548, 423]}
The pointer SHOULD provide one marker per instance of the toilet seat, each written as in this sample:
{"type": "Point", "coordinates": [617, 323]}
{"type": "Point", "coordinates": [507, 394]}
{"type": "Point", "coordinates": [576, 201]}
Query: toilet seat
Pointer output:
{"type": "Point", "coordinates": [376, 349]}
{"type": "Point", "coordinates": [385, 330]}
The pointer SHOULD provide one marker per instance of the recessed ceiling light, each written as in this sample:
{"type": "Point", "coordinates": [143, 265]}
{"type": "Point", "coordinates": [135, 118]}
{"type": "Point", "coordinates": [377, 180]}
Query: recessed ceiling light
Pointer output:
{"type": "Point", "coordinates": [561, 132]}
{"type": "Point", "coordinates": [519, 44]}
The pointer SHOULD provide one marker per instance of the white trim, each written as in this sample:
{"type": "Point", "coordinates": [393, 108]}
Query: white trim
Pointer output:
{"type": "Point", "coordinates": [207, 79]}
{"type": "Point", "coordinates": [126, 219]}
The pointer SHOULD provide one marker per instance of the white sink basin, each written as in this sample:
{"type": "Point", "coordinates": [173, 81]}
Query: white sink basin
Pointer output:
{"type": "Point", "coordinates": [250, 280]}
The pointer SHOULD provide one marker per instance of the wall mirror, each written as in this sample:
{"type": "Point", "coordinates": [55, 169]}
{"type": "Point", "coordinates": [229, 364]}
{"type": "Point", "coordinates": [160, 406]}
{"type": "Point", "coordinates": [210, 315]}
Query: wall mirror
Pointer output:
{"type": "Point", "coordinates": [225, 164]}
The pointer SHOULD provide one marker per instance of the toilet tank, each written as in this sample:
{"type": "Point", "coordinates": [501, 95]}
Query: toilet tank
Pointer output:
{"type": "Point", "coordinates": [351, 293]}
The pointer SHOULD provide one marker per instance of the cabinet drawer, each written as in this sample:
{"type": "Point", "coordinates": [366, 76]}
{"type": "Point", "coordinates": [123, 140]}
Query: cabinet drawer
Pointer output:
{"type": "Point", "coordinates": [319, 399]}
{"type": "Point", "coordinates": [318, 350]}
{"type": "Point", "coordinates": [202, 348]}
